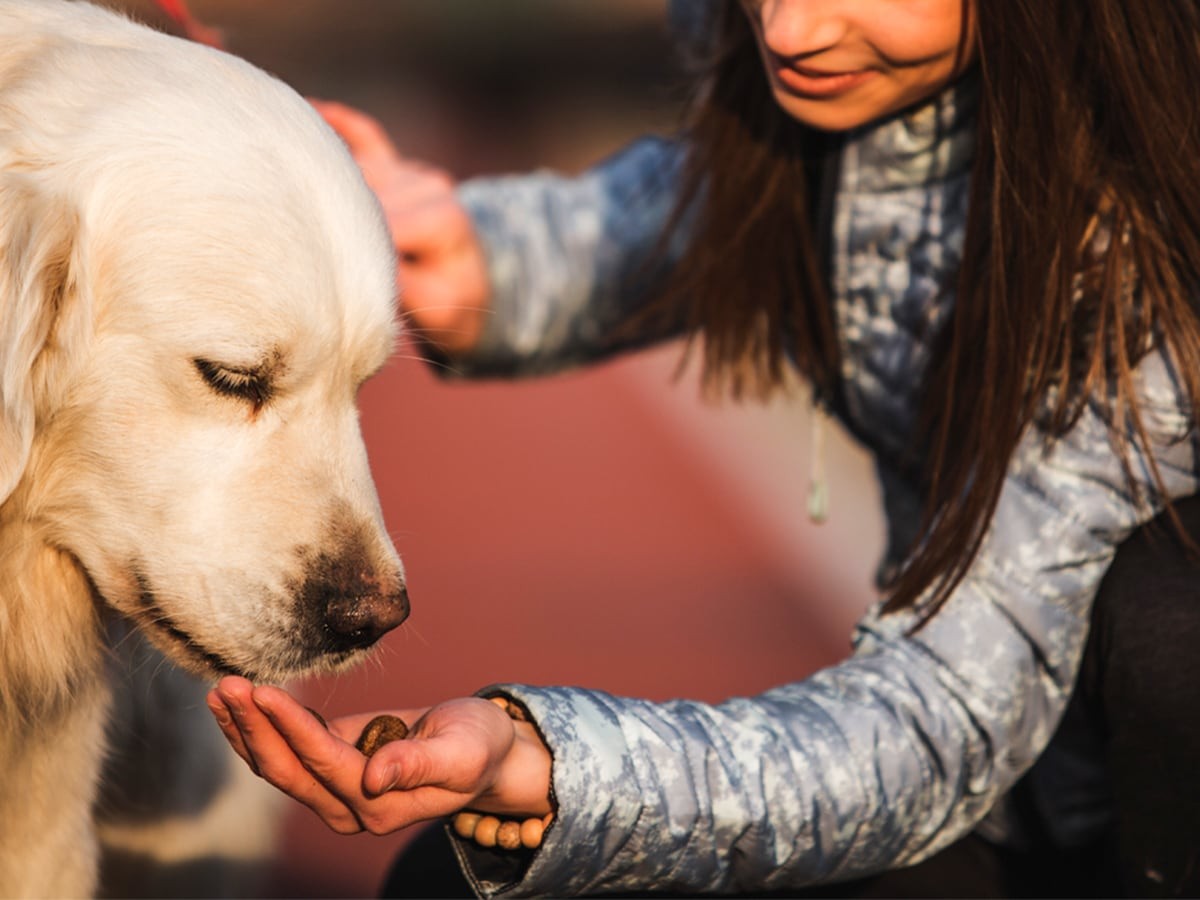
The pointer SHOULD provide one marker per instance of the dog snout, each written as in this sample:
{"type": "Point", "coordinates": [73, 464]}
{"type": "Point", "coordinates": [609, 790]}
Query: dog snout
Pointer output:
{"type": "Point", "coordinates": [353, 622]}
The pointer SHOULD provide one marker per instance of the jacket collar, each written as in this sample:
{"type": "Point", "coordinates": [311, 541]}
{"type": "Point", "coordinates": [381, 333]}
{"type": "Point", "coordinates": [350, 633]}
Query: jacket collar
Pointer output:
{"type": "Point", "coordinates": [922, 145]}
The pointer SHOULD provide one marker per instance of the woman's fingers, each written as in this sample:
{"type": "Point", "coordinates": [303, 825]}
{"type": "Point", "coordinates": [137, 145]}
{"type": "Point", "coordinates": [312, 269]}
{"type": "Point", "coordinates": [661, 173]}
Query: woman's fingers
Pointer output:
{"type": "Point", "coordinates": [394, 767]}
{"type": "Point", "coordinates": [269, 753]}
{"type": "Point", "coordinates": [223, 713]}
{"type": "Point", "coordinates": [392, 176]}
{"type": "Point", "coordinates": [332, 761]}
{"type": "Point", "coordinates": [428, 229]}
{"type": "Point", "coordinates": [363, 134]}
{"type": "Point", "coordinates": [442, 273]}
{"type": "Point", "coordinates": [398, 182]}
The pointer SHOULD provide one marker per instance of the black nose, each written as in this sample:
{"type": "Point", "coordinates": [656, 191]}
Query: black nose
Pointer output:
{"type": "Point", "coordinates": [354, 622]}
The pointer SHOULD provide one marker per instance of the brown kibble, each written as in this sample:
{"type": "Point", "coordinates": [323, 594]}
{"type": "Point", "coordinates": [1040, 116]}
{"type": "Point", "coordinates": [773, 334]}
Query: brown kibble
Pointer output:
{"type": "Point", "coordinates": [465, 824]}
{"type": "Point", "coordinates": [508, 836]}
{"type": "Point", "coordinates": [531, 833]}
{"type": "Point", "coordinates": [486, 831]}
{"type": "Point", "coordinates": [379, 731]}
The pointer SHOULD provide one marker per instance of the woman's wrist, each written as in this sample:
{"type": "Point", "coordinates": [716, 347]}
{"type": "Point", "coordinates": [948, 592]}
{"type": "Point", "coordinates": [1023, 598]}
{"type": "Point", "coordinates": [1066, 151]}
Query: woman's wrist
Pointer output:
{"type": "Point", "coordinates": [517, 809]}
{"type": "Point", "coordinates": [522, 785]}
{"type": "Point", "coordinates": [530, 791]}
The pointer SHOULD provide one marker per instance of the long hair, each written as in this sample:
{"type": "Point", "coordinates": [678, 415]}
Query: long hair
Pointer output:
{"type": "Point", "coordinates": [1081, 250]}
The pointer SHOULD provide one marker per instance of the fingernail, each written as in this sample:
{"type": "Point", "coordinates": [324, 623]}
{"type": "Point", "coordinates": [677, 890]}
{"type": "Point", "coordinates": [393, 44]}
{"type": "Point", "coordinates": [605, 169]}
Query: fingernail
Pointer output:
{"type": "Point", "coordinates": [220, 713]}
{"type": "Point", "coordinates": [389, 778]}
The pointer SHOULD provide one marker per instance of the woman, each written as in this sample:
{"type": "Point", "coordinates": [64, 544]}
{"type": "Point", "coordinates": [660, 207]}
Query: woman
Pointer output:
{"type": "Point", "coordinates": [972, 227]}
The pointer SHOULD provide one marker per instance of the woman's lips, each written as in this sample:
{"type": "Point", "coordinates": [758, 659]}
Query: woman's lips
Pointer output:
{"type": "Point", "coordinates": [815, 83]}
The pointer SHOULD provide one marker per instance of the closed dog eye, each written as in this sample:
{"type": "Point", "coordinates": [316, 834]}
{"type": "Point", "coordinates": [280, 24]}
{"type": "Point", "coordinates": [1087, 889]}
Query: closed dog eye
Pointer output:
{"type": "Point", "coordinates": [250, 385]}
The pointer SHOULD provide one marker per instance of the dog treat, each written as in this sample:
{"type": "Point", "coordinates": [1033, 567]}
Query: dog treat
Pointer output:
{"type": "Point", "coordinates": [379, 731]}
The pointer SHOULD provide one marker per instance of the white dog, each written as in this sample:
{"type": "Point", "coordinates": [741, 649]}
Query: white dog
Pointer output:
{"type": "Point", "coordinates": [194, 282]}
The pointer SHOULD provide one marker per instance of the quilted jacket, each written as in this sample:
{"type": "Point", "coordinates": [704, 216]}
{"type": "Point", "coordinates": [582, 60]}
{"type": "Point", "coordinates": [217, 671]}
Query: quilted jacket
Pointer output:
{"type": "Point", "coordinates": [914, 739]}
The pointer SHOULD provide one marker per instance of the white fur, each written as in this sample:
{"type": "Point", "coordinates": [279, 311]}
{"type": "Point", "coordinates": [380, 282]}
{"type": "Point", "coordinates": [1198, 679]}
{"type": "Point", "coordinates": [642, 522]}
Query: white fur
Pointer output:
{"type": "Point", "coordinates": [163, 203]}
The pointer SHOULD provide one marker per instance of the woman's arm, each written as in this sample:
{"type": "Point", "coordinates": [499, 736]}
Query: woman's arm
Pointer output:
{"type": "Point", "coordinates": [885, 758]}
{"type": "Point", "coordinates": [528, 273]}
{"type": "Point", "coordinates": [570, 259]}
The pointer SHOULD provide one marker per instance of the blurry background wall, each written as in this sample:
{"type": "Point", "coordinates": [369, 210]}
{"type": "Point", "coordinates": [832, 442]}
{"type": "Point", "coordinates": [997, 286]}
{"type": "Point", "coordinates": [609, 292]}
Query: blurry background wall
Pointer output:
{"type": "Point", "coordinates": [602, 528]}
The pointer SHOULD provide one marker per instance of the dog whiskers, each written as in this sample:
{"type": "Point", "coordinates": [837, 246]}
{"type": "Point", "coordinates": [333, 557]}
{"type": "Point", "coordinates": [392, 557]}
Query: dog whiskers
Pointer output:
{"type": "Point", "coordinates": [411, 631]}
{"type": "Point", "coordinates": [441, 364]}
{"type": "Point", "coordinates": [405, 315]}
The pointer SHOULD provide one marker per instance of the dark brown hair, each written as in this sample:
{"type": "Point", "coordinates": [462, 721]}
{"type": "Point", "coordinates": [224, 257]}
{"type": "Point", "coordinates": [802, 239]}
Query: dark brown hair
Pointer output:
{"type": "Point", "coordinates": [1081, 252]}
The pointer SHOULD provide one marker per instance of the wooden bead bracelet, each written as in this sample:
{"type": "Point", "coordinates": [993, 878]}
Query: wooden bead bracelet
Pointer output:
{"type": "Point", "coordinates": [507, 834]}
{"type": "Point", "coordinates": [485, 830]}
{"type": "Point", "coordinates": [492, 831]}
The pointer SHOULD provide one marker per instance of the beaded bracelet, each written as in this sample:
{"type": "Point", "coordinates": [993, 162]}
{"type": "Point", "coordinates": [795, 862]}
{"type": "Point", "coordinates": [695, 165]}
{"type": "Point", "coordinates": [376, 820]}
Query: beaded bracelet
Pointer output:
{"type": "Point", "coordinates": [492, 831]}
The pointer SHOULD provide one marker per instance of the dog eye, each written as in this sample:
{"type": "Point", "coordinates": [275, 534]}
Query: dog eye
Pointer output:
{"type": "Point", "coordinates": [244, 384]}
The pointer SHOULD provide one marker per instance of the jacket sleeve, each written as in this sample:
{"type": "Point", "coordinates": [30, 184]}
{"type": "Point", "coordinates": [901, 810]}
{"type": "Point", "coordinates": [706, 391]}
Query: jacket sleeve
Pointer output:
{"type": "Point", "coordinates": [572, 259]}
{"type": "Point", "coordinates": [883, 759]}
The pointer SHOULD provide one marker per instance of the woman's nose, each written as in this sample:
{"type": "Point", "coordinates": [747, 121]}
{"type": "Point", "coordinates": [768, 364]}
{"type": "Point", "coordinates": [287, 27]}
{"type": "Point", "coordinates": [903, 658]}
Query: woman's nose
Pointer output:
{"type": "Point", "coordinates": [794, 29]}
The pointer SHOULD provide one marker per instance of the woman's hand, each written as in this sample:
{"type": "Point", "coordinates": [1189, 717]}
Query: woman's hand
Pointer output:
{"type": "Point", "coordinates": [442, 275]}
{"type": "Point", "coordinates": [463, 753]}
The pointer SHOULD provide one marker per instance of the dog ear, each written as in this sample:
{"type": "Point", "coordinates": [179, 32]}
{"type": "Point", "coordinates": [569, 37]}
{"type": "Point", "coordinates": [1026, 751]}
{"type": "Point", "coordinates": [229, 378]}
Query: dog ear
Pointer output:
{"type": "Point", "coordinates": [37, 239]}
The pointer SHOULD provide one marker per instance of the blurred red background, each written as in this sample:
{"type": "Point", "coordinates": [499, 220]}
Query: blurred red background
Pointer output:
{"type": "Point", "coordinates": [602, 528]}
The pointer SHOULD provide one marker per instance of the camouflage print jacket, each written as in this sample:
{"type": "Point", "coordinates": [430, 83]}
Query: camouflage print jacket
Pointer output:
{"type": "Point", "coordinates": [913, 740]}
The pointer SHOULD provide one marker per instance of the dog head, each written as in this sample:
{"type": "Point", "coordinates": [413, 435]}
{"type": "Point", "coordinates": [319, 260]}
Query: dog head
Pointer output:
{"type": "Point", "coordinates": [195, 282]}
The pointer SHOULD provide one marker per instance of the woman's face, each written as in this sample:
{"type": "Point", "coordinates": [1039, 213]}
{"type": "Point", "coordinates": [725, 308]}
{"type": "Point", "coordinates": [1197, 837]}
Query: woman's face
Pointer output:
{"type": "Point", "coordinates": [839, 64]}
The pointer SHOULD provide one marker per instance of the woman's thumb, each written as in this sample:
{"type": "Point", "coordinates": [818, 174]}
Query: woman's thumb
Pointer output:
{"type": "Point", "coordinates": [398, 766]}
